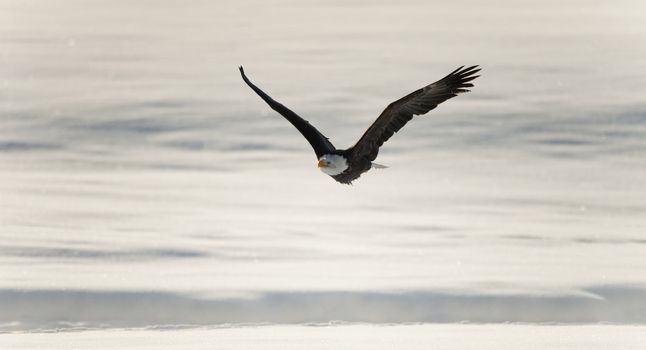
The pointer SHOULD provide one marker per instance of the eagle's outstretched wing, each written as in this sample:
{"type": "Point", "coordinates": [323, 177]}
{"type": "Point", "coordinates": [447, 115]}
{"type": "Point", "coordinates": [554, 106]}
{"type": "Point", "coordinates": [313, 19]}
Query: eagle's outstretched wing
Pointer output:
{"type": "Point", "coordinates": [398, 113]}
{"type": "Point", "coordinates": [319, 142]}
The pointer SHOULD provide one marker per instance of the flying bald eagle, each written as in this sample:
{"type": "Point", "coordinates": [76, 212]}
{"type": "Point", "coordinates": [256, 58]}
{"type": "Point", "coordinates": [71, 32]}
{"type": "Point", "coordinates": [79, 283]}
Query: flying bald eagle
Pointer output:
{"type": "Point", "coordinates": [347, 165]}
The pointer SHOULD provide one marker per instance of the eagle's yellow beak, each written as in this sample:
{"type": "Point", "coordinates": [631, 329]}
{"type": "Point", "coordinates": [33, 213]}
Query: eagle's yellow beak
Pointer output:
{"type": "Point", "coordinates": [323, 163]}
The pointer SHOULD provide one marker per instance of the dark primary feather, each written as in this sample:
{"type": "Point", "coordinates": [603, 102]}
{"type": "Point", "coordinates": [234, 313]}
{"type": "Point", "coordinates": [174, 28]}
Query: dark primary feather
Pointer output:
{"type": "Point", "coordinates": [398, 113]}
{"type": "Point", "coordinates": [319, 142]}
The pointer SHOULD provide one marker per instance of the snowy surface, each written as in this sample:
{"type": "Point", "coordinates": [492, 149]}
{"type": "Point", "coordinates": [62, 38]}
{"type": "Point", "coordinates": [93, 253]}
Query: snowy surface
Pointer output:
{"type": "Point", "coordinates": [144, 185]}
{"type": "Point", "coordinates": [409, 337]}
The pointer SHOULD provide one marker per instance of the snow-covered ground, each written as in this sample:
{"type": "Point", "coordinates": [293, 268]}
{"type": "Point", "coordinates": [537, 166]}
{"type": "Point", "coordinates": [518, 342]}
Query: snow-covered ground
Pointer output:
{"type": "Point", "coordinates": [409, 337]}
{"type": "Point", "coordinates": [143, 185]}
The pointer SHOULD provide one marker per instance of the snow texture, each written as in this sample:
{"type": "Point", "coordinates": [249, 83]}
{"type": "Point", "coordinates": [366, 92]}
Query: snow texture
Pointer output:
{"type": "Point", "coordinates": [144, 185]}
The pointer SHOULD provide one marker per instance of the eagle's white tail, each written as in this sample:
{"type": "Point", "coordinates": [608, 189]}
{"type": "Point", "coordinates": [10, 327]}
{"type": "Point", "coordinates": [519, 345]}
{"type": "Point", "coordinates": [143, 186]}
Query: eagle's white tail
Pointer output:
{"type": "Point", "coordinates": [378, 166]}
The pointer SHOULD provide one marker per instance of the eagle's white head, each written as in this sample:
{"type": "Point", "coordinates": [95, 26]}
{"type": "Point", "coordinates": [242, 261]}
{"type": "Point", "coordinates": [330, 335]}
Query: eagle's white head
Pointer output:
{"type": "Point", "coordinates": [333, 164]}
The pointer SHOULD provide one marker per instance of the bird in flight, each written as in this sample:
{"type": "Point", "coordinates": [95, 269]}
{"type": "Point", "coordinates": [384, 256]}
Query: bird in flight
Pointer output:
{"type": "Point", "coordinates": [346, 165]}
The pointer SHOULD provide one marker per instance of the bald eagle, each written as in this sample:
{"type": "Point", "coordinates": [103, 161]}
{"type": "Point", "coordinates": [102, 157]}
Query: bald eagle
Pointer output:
{"type": "Point", "coordinates": [346, 165]}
